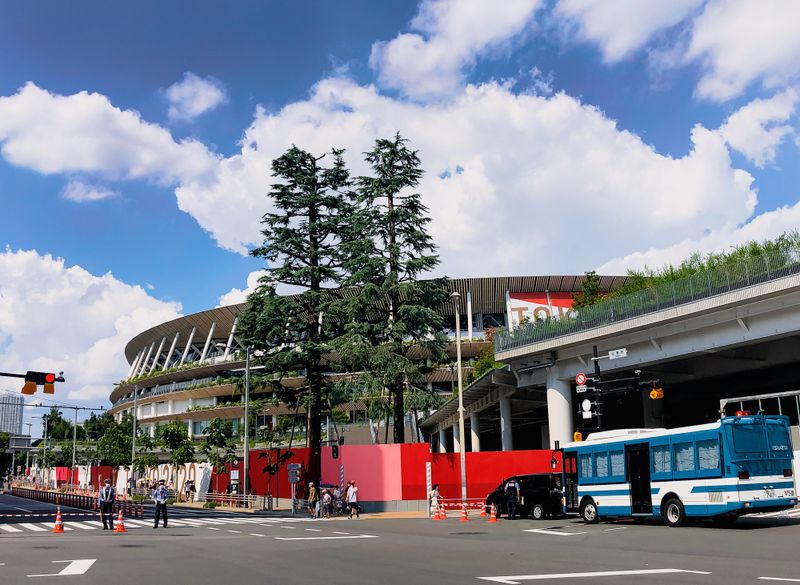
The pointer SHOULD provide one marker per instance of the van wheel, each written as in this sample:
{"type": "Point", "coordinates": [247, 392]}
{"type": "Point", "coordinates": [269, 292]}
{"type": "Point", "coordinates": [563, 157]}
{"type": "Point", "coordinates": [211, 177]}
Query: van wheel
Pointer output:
{"type": "Point", "coordinates": [537, 512]}
{"type": "Point", "coordinates": [674, 513]}
{"type": "Point", "coordinates": [589, 512]}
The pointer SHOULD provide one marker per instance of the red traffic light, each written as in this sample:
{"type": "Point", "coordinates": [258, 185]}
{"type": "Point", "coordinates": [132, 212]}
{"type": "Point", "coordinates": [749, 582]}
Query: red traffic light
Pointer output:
{"type": "Point", "coordinates": [49, 378]}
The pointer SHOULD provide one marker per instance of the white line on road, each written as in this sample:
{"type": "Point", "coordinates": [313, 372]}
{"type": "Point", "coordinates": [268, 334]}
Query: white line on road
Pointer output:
{"type": "Point", "coordinates": [235, 531]}
{"type": "Point", "coordinates": [9, 528]}
{"type": "Point", "coordinates": [256, 534]}
{"type": "Point", "coordinates": [313, 529]}
{"type": "Point", "coordinates": [515, 579]}
{"type": "Point", "coordinates": [83, 526]}
{"type": "Point", "coordinates": [76, 567]}
{"type": "Point", "coordinates": [212, 528]}
{"type": "Point", "coordinates": [24, 509]}
{"type": "Point", "coordinates": [289, 527]}
{"type": "Point", "coordinates": [617, 528]}
{"type": "Point", "coordinates": [324, 537]}
{"type": "Point", "coordinates": [553, 532]}
{"type": "Point", "coordinates": [779, 579]}
{"type": "Point", "coordinates": [344, 533]}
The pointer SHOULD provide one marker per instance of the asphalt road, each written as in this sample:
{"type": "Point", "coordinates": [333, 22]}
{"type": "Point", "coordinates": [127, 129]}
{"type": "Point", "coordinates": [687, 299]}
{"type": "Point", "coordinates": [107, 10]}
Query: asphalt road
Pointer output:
{"type": "Point", "coordinates": [218, 549]}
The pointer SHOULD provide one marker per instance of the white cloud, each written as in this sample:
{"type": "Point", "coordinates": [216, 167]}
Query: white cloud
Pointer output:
{"type": "Point", "coordinates": [768, 225]}
{"type": "Point", "coordinates": [538, 176]}
{"type": "Point", "coordinates": [756, 130]}
{"type": "Point", "coordinates": [59, 318]}
{"type": "Point", "coordinates": [741, 41]}
{"type": "Point", "coordinates": [622, 27]}
{"type": "Point", "coordinates": [451, 33]}
{"type": "Point", "coordinates": [239, 295]}
{"type": "Point", "coordinates": [194, 96]}
{"type": "Point", "coordinates": [85, 133]}
{"type": "Point", "coordinates": [80, 192]}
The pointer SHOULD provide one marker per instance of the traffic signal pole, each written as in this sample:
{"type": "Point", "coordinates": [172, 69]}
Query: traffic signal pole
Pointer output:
{"type": "Point", "coordinates": [597, 385]}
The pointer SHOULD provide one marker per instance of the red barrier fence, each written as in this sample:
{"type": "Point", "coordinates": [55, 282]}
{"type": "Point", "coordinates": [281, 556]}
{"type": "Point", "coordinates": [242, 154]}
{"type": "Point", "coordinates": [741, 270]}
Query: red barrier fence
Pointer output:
{"type": "Point", "coordinates": [127, 507]}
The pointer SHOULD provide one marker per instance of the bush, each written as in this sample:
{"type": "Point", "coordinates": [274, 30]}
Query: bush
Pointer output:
{"type": "Point", "coordinates": [210, 505]}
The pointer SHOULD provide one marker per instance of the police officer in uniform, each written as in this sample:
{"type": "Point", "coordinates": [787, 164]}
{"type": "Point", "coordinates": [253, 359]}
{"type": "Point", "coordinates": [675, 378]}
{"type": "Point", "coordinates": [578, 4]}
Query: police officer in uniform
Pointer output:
{"type": "Point", "coordinates": [105, 500]}
{"type": "Point", "coordinates": [512, 496]}
{"type": "Point", "coordinates": [160, 497]}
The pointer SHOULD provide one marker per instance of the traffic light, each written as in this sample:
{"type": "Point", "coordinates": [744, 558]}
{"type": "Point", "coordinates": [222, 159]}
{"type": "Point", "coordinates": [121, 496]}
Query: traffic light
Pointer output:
{"type": "Point", "coordinates": [45, 379]}
{"type": "Point", "coordinates": [656, 393]}
{"type": "Point", "coordinates": [335, 451]}
{"type": "Point", "coordinates": [577, 436]}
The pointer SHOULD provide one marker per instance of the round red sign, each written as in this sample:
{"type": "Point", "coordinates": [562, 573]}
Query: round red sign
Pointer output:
{"type": "Point", "coordinates": [580, 379]}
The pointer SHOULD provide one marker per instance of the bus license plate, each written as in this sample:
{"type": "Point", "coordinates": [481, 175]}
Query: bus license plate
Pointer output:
{"type": "Point", "coordinates": [769, 493]}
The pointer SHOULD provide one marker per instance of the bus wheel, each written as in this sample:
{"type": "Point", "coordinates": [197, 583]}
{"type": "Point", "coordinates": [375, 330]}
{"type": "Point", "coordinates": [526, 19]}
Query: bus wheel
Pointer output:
{"type": "Point", "coordinates": [674, 513]}
{"type": "Point", "coordinates": [589, 512]}
{"type": "Point", "coordinates": [537, 512]}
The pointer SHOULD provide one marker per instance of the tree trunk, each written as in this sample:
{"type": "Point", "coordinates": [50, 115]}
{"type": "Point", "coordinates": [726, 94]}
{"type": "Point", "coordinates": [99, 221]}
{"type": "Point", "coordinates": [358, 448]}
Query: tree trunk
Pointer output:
{"type": "Point", "coordinates": [399, 436]}
{"type": "Point", "coordinates": [314, 429]}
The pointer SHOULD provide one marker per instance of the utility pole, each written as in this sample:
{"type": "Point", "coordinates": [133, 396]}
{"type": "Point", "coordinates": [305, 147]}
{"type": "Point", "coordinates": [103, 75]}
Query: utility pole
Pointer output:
{"type": "Point", "coordinates": [133, 439]}
{"type": "Point", "coordinates": [245, 487]}
{"type": "Point", "coordinates": [28, 450]}
{"type": "Point", "coordinates": [597, 385]}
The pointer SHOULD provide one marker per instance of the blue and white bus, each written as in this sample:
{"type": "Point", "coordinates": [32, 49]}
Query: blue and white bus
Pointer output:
{"type": "Point", "coordinates": [738, 465]}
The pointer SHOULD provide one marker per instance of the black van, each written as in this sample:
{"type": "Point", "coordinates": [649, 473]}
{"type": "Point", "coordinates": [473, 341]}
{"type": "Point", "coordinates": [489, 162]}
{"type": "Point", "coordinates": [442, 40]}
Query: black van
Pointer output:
{"type": "Point", "coordinates": [540, 496]}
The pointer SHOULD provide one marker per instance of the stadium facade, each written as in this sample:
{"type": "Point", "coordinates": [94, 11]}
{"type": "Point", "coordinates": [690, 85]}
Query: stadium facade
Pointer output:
{"type": "Point", "coordinates": [188, 369]}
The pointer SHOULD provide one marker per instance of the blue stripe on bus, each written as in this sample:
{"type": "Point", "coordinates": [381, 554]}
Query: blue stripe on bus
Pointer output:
{"type": "Point", "coordinates": [704, 489]}
{"type": "Point", "coordinates": [620, 492]}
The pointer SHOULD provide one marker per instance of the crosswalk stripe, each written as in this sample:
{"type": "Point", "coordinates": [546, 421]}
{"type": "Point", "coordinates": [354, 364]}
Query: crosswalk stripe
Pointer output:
{"type": "Point", "coordinates": [8, 528]}
{"type": "Point", "coordinates": [83, 526]}
{"type": "Point", "coordinates": [136, 523]}
{"type": "Point", "coordinates": [94, 523]}
{"type": "Point", "coordinates": [182, 522]}
{"type": "Point", "coordinates": [32, 527]}
{"type": "Point", "coordinates": [51, 525]}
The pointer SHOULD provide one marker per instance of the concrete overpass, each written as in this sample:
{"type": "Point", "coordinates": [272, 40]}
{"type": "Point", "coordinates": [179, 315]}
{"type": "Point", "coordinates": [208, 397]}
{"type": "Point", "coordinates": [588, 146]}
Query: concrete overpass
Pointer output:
{"type": "Point", "coordinates": [716, 336]}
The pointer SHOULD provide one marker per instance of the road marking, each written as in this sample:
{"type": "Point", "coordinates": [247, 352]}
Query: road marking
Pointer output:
{"type": "Point", "coordinates": [82, 526]}
{"type": "Point", "coordinates": [323, 537]}
{"type": "Point", "coordinates": [313, 529]}
{"type": "Point", "coordinates": [9, 528]}
{"type": "Point", "coordinates": [256, 534]}
{"type": "Point", "coordinates": [212, 528]}
{"type": "Point", "coordinates": [617, 528]}
{"type": "Point", "coordinates": [32, 527]}
{"type": "Point", "coordinates": [515, 579]}
{"type": "Point", "coordinates": [344, 533]}
{"type": "Point", "coordinates": [779, 579]}
{"type": "Point", "coordinates": [553, 532]}
{"type": "Point", "coordinates": [289, 527]}
{"type": "Point", "coordinates": [235, 531]}
{"type": "Point", "coordinates": [136, 523]}
{"type": "Point", "coordinates": [23, 509]}
{"type": "Point", "coordinates": [76, 567]}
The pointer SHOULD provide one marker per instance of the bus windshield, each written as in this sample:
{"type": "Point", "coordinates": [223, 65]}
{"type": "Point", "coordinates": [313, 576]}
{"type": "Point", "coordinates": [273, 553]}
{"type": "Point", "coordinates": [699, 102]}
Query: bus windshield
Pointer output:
{"type": "Point", "coordinates": [778, 437]}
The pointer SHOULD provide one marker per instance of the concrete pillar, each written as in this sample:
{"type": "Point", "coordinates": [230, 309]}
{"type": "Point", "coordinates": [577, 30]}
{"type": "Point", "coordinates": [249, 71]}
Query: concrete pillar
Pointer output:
{"type": "Point", "coordinates": [506, 437]}
{"type": "Point", "coordinates": [274, 421]}
{"type": "Point", "coordinates": [208, 342]}
{"type": "Point", "coordinates": [475, 431]}
{"type": "Point", "coordinates": [188, 347]}
{"type": "Point", "coordinates": [157, 356]}
{"type": "Point", "coordinates": [545, 436]}
{"type": "Point", "coordinates": [442, 441]}
{"type": "Point", "coordinates": [171, 350]}
{"type": "Point", "coordinates": [559, 409]}
{"type": "Point", "coordinates": [456, 443]}
{"type": "Point", "coordinates": [469, 315]}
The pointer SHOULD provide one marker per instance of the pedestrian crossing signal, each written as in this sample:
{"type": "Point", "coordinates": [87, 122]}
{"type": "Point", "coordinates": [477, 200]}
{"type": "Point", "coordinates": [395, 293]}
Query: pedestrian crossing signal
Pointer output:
{"type": "Point", "coordinates": [335, 451]}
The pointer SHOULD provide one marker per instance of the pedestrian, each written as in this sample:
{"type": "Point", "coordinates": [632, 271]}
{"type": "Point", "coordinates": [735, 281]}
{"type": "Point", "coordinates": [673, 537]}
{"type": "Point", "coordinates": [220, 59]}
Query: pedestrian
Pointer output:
{"type": "Point", "coordinates": [435, 498]}
{"type": "Point", "coordinates": [192, 491]}
{"type": "Point", "coordinates": [105, 501]}
{"type": "Point", "coordinates": [352, 499]}
{"type": "Point", "coordinates": [160, 497]}
{"type": "Point", "coordinates": [327, 501]}
{"type": "Point", "coordinates": [186, 489]}
{"type": "Point", "coordinates": [313, 500]}
{"type": "Point", "coordinates": [512, 496]}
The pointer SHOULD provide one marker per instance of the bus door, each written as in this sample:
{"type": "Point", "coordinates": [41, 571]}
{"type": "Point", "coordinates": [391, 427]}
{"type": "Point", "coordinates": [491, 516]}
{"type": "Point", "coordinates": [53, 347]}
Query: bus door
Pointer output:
{"type": "Point", "coordinates": [570, 482]}
{"type": "Point", "coordinates": [638, 459]}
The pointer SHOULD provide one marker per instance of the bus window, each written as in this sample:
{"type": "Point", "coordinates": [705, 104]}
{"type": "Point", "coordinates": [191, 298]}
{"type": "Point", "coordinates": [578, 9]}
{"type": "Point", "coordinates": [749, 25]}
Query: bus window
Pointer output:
{"type": "Point", "coordinates": [708, 454]}
{"type": "Point", "coordinates": [585, 460]}
{"type": "Point", "coordinates": [617, 463]}
{"type": "Point", "coordinates": [778, 436]}
{"type": "Point", "coordinates": [601, 463]}
{"type": "Point", "coordinates": [684, 456]}
{"type": "Point", "coordinates": [748, 438]}
{"type": "Point", "coordinates": [662, 459]}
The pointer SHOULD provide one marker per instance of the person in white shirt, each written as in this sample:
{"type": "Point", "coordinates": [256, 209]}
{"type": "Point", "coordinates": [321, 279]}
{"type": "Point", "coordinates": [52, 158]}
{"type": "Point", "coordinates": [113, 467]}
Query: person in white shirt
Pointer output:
{"type": "Point", "coordinates": [106, 498]}
{"type": "Point", "coordinates": [352, 499]}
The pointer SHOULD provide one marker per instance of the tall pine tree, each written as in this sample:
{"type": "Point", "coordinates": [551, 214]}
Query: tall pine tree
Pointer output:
{"type": "Point", "coordinates": [394, 311]}
{"type": "Point", "coordinates": [302, 250]}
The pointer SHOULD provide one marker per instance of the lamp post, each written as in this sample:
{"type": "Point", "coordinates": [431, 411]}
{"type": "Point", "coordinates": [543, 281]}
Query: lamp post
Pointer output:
{"type": "Point", "coordinates": [28, 450]}
{"type": "Point", "coordinates": [133, 439]}
{"type": "Point", "coordinates": [463, 458]}
{"type": "Point", "coordinates": [245, 487]}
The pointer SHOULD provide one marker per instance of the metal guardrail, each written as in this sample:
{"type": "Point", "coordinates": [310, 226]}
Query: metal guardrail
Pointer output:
{"type": "Point", "coordinates": [128, 508]}
{"type": "Point", "coordinates": [718, 280]}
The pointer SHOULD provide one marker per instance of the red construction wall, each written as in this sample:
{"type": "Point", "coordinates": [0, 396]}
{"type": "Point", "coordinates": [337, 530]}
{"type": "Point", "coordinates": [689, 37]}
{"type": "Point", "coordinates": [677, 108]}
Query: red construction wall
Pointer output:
{"type": "Point", "coordinates": [376, 469]}
{"type": "Point", "coordinates": [100, 473]}
{"type": "Point", "coordinates": [485, 470]}
{"type": "Point", "coordinates": [413, 460]}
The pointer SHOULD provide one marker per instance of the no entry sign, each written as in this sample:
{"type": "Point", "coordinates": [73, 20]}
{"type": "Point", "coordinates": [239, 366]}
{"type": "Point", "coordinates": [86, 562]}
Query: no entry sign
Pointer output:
{"type": "Point", "coordinates": [580, 379]}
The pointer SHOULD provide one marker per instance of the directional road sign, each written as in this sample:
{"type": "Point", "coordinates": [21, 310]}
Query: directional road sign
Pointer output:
{"type": "Point", "coordinates": [616, 354]}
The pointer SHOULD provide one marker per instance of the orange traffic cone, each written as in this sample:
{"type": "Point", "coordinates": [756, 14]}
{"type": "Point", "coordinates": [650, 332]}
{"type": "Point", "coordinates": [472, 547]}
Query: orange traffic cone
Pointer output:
{"type": "Point", "coordinates": [443, 513]}
{"type": "Point", "coordinates": [464, 517]}
{"type": "Point", "coordinates": [434, 510]}
{"type": "Point", "coordinates": [493, 517]}
{"type": "Point", "coordinates": [120, 527]}
{"type": "Point", "coordinates": [58, 527]}
{"type": "Point", "coordinates": [483, 511]}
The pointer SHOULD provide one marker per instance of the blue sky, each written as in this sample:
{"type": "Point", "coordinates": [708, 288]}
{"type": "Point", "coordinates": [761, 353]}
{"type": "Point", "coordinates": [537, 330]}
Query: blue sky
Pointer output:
{"type": "Point", "coordinates": [135, 141]}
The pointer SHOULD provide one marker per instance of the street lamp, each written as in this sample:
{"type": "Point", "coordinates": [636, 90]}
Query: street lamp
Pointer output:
{"type": "Point", "coordinates": [245, 487]}
{"type": "Point", "coordinates": [463, 458]}
{"type": "Point", "coordinates": [28, 450]}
